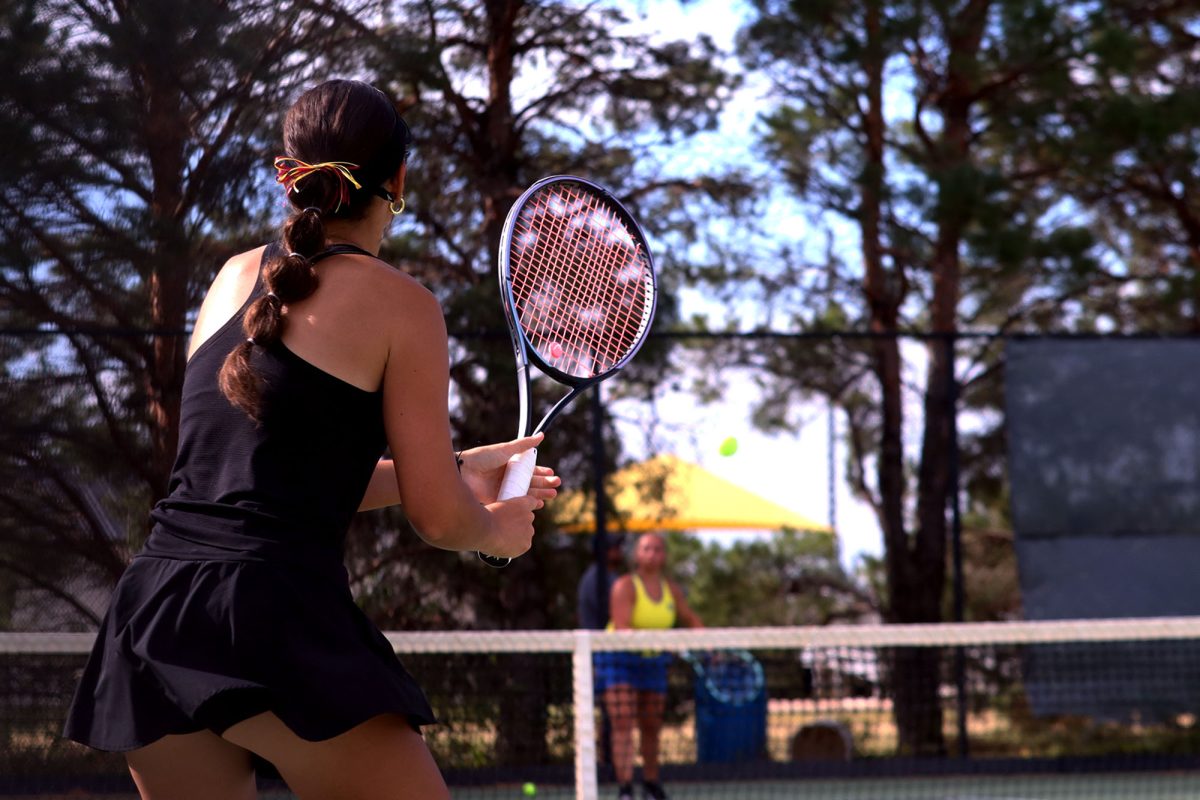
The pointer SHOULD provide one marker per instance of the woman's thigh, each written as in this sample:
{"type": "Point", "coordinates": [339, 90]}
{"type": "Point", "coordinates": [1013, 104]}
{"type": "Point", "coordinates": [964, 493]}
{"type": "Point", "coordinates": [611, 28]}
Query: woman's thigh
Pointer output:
{"type": "Point", "coordinates": [193, 766]}
{"type": "Point", "coordinates": [651, 706]}
{"type": "Point", "coordinates": [381, 759]}
{"type": "Point", "coordinates": [621, 702]}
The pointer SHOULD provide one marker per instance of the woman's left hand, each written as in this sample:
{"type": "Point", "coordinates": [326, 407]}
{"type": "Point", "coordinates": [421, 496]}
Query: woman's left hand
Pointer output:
{"type": "Point", "coordinates": [483, 470]}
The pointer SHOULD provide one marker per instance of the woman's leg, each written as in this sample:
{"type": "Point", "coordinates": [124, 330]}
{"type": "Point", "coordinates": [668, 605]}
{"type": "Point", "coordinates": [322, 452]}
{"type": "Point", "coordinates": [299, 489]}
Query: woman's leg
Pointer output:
{"type": "Point", "coordinates": [621, 702]}
{"type": "Point", "coordinates": [193, 766]}
{"type": "Point", "coordinates": [651, 706]}
{"type": "Point", "coordinates": [381, 759]}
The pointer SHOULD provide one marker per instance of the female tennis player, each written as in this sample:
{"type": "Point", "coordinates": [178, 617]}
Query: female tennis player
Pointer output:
{"type": "Point", "coordinates": [635, 684]}
{"type": "Point", "coordinates": [233, 634]}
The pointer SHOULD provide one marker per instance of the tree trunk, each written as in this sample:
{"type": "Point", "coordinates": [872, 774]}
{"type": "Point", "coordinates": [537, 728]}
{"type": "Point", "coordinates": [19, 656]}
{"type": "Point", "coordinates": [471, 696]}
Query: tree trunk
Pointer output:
{"type": "Point", "coordinates": [165, 135]}
{"type": "Point", "coordinates": [499, 135]}
{"type": "Point", "coordinates": [884, 293]}
{"type": "Point", "coordinates": [914, 672]}
{"type": "Point", "coordinates": [919, 599]}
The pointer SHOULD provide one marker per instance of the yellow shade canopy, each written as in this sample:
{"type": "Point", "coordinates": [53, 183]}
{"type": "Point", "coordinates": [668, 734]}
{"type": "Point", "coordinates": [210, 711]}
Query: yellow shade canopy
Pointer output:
{"type": "Point", "coordinates": [668, 493]}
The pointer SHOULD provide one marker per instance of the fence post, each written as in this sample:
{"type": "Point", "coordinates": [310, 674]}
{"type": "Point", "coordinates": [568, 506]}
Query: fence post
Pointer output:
{"type": "Point", "coordinates": [831, 466]}
{"type": "Point", "coordinates": [960, 664]}
{"type": "Point", "coordinates": [600, 536]}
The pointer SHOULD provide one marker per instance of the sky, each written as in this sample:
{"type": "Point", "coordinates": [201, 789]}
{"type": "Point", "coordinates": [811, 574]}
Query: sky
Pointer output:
{"type": "Point", "coordinates": [790, 469]}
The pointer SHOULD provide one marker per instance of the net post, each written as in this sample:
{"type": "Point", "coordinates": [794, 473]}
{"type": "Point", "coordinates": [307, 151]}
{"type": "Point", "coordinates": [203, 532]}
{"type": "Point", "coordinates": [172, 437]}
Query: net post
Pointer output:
{"type": "Point", "coordinates": [586, 786]}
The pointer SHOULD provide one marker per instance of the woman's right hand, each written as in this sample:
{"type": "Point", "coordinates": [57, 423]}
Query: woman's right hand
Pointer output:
{"type": "Point", "coordinates": [483, 469]}
{"type": "Point", "coordinates": [512, 526]}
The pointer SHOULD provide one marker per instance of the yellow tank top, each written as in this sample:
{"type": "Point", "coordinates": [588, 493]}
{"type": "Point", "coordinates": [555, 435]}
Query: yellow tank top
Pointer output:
{"type": "Point", "coordinates": [648, 614]}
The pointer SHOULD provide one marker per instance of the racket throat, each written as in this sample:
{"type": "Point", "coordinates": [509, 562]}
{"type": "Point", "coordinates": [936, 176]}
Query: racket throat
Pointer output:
{"type": "Point", "coordinates": [559, 406]}
{"type": "Point", "coordinates": [523, 400]}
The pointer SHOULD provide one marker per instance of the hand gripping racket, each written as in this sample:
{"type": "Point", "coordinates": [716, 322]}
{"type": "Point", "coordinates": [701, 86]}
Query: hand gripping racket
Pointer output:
{"type": "Point", "coordinates": [577, 283]}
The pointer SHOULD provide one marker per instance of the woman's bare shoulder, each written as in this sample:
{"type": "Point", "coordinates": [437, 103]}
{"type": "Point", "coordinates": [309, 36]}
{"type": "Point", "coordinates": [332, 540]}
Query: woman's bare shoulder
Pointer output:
{"type": "Point", "coordinates": [378, 283]}
{"type": "Point", "coordinates": [229, 290]}
{"type": "Point", "coordinates": [240, 270]}
{"type": "Point", "coordinates": [400, 302]}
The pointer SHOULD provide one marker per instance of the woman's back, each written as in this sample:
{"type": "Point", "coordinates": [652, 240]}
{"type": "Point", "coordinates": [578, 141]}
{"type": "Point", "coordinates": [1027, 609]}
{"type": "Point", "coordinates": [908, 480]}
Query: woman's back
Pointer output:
{"type": "Point", "coordinates": [300, 469]}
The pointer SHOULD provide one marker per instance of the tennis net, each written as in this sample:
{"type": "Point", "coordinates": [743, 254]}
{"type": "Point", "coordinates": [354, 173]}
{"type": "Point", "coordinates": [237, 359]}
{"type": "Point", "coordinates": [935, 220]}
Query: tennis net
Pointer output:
{"type": "Point", "coordinates": [1064, 709]}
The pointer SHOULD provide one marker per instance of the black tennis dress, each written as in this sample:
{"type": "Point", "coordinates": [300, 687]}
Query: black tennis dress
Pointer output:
{"type": "Point", "coordinates": [239, 602]}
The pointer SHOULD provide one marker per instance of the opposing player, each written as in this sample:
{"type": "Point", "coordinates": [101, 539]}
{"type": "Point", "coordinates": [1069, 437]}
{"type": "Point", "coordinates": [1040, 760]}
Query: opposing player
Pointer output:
{"type": "Point", "coordinates": [635, 684]}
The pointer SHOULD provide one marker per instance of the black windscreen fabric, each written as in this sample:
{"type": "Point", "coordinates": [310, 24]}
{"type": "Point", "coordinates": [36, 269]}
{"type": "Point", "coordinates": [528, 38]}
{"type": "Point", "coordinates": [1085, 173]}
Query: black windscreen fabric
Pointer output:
{"type": "Point", "coordinates": [1104, 465]}
{"type": "Point", "coordinates": [1104, 437]}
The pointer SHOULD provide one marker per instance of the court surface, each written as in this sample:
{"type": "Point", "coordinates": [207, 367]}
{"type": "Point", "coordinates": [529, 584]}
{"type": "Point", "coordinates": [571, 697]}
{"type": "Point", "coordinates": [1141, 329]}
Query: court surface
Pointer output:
{"type": "Point", "coordinates": [1174, 786]}
{"type": "Point", "coordinates": [1054, 787]}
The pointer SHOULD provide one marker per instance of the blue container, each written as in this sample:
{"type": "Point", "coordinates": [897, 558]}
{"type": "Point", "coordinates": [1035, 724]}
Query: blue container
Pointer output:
{"type": "Point", "coordinates": [731, 708]}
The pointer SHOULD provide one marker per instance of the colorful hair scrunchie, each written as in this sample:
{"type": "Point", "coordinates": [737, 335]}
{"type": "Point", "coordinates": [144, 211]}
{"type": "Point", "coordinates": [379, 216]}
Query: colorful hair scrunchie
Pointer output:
{"type": "Point", "coordinates": [290, 171]}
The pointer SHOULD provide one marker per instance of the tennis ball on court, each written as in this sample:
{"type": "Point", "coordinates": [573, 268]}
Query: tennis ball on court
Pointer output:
{"type": "Point", "coordinates": [529, 789]}
{"type": "Point", "coordinates": [729, 446]}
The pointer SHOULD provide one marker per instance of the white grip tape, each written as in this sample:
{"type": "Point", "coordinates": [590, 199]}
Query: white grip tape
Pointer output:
{"type": "Point", "coordinates": [518, 475]}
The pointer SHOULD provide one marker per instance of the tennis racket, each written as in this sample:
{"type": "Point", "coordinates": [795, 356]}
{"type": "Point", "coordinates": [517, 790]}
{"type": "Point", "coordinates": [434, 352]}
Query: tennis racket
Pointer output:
{"type": "Point", "coordinates": [579, 293]}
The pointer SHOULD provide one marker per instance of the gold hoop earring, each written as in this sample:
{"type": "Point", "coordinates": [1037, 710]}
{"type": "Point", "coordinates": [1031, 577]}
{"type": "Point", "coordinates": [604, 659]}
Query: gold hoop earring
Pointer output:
{"type": "Point", "coordinates": [396, 211]}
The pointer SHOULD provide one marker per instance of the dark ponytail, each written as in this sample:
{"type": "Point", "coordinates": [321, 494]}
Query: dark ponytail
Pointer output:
{"type": "Point", "coordinates": [288, 277]}
{"type": "Point", "coordinates": [339, 122]}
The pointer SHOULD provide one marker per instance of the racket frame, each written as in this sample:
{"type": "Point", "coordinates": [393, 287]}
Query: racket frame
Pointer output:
{"type": "Point", "coordinates": [523, 351]}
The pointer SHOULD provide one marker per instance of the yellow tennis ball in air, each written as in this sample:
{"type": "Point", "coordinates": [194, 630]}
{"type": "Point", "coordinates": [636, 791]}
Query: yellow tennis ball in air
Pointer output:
{"type": "Point", "coordinates": [529, 789]}
{"type": "Point", "coordinates": [729, 446]}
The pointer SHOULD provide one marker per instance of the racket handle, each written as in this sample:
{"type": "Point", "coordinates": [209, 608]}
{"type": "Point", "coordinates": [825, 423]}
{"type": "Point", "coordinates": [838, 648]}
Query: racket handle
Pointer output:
{"type": "Point", "coordinates": [517, 477]}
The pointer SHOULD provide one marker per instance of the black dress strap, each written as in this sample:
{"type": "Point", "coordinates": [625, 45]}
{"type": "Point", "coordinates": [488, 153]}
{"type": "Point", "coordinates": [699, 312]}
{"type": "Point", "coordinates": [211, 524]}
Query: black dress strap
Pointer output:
{"type": "Point", "coordinates": [275, 249]}
{"type": "Point", "coordinates": [342, 250]}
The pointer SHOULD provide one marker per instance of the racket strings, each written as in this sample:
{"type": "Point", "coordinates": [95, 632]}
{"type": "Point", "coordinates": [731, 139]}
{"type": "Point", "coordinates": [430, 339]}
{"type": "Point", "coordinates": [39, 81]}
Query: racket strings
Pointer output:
{"type": "Point", "coordinates": [538, 280]}
{"type": "Point", "coordinates": [584, 321]}
{"type": "Point", "coordinates": [580, 280]}
{"type": "Point", "coordinates": [610, 295]}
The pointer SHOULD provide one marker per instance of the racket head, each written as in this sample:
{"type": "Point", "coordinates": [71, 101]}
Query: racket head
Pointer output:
{"type": "Point", "coordinates": [577, 279]}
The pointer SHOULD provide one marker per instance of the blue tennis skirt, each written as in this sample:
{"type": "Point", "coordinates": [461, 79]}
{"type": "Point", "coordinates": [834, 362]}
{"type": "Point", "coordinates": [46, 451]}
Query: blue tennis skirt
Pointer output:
{"type": "Point", "coordinates": [646, 673]}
